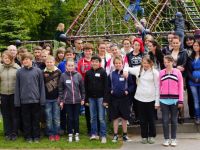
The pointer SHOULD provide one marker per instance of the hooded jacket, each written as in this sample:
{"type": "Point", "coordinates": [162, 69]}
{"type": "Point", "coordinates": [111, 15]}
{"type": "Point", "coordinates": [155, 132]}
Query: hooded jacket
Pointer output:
{"type": "Point", "coordinates": [71, 88]}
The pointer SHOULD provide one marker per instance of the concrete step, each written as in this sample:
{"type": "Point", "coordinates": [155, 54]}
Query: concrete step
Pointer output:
{"type": "Point", "coordinates": [187, 127]}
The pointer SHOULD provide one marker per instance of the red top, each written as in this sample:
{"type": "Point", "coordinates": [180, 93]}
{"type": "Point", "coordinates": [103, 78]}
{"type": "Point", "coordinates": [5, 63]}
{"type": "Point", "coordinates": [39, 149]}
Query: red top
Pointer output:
{"type": "Point", "coordinates": [83, 66]}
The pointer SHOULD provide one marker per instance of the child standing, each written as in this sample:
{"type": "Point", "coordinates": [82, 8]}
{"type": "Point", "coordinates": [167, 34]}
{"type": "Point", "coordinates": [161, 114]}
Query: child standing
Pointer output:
{"type": "Point", "coordinates": [71, 95]}
{"type": "Point", "coordinates": [171, 97]}
{"type": "Point", "coordinates": [30, 95]}
{"type": "Point", "coordinates": [147, 81]}
{"type": "Point", "coordinates": [96, 93]}
{"type": "Point", "coordinates": [51, 80]}
{"type": "Point", "coordinates": [120, 89]}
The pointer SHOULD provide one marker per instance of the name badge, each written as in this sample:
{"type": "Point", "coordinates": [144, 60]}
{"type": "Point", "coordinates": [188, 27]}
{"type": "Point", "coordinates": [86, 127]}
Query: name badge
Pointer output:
{"type": "Point", "coordinates": [97, 74]}
{"type": "Point", "coordinates": [68, 81]}
{"type": "Point", "coordinates": [121, 79]}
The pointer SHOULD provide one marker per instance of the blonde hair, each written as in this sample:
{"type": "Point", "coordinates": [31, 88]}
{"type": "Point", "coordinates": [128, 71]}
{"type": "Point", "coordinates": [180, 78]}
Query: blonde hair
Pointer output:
{"type": "Point", "coordinates": [60, 27]}
{"type": "Point", "coordinates": [50, 58]}
{"type": "Point", "coordinates": [9, 54]}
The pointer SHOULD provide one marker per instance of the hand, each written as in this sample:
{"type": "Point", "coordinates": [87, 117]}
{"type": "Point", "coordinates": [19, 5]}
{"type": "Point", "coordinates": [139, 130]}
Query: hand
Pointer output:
{"type": "Point", "coordinates": [61, 105]}
{"type": "Point", "coordinates": [157, 107]}
{"type": "Point", "coordinates": [180, 105]}
{"type": "Point", "coordinates": [125, 74]}
{"type": "Point", "coordinates": [82, 102]}
{"type": "Point", "coordinates": [126, 92]}
{"type": "Point", "coordinates": [180, 68]}
{"type": "Point", "coordinates": [111, 92]}
{"type": "Point", "coordinates": [86, 104]}
{"type": "Point", "coordinates": [105, 105]}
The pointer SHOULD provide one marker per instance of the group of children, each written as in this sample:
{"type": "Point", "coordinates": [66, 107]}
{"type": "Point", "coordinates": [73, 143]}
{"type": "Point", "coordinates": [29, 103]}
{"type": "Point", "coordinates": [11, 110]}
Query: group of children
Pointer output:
{"type": "Point", "coordinates": [106, 84]}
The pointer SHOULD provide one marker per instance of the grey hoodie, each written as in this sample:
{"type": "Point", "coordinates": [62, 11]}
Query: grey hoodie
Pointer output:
{"type": "Point", "coordinates": [71, 88]}
{"type": "Point", "coordinates": [29, 86]}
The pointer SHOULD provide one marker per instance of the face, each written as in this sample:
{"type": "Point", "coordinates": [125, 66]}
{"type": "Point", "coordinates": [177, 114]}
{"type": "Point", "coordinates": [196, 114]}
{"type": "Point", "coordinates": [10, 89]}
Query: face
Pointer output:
{"type": "Point", "coordinates": [136, 46]}
{"type": "Point", "coordinates": [78, 44]}
{"type": "Point", "coordinates": [196, 47]}
{"type": "Point", "coordinates": [176, 44]}
{"type": "Point", "coordinates": [44, 56]}
{"type": "Point", "coordinates": [95, 64]}
{"type": "Point", "coordinates": [145, 64]}
{"type": "Point", "coordinates": [147, 41]}
{"type": "Point", "coordinates": [127, 44]}
{"type": "Point", "coordinates": [49, 63]}
{"type": "Point", "coordinates": [167, 63]}
{"type": "Point", "coordinates": [102, 48]}
{"type": "Point", "coordinates": [189, 42]}
{"type": "Point", "coordinates": [108, 48]}
{"type": "Point", "coordinates": [118, 64]}
{"type": "Point", "coordinates": [69, 55]}
{"type": "Point", "coordinates": [13, 52]}
{"type": "Point", "coordinates": [88, 53]}
{"type": "Point", "coordinates": [37, 54]}
{"type": "Point", "coordinates": [27, 62]}
{"type": "Point", "coordinates": [70, 66]}
{"type": "Point", "coordinates": [61, 55]}
{"type": "Point", "coordinates": [115, 51]}
{"type": "Point", "coordinates": [170, 38]}
{"type": "Point", "coordinates": [6, 60]}
{"type": "Point", "coordinates": [151, 47]}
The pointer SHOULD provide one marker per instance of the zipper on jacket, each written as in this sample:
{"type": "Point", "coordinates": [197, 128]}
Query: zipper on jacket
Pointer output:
{"type": "Point", "coordinates": [8, 80]}
{"type": "Point", "coordinates": [72, 84]}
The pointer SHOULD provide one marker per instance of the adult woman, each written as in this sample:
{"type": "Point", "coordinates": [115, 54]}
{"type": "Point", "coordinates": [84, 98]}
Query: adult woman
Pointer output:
{"type": "Point", "coordinates": [193, 72]}
{"type": "Point", "coordinates": [156, 55]}
{"type": "Point", "coordinates": [60, 30]}
{"type": "Point", "coordinates": [7, 87]}
{"type": "Point", "coordinates": [60, 55]}
{"type": "Point", "coordinates": [126, 46]}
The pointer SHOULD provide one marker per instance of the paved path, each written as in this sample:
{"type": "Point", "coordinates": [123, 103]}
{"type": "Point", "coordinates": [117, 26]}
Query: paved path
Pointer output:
{"type": "Point", "coordinates": [186, 141]}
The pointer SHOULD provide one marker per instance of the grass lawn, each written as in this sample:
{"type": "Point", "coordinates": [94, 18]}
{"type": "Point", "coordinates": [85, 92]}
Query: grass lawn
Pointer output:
{"type": "Point", "coordinates": [84, 143]}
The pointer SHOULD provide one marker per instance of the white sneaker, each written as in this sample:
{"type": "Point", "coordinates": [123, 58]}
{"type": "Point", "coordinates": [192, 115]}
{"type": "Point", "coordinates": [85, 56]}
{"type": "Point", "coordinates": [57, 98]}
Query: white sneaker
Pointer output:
{"type": "Point", "coordinates": [103, 140]}
{"type": "Point", "coordinates": [166, 142]}
{"type": "Point", "coordinates": [70, 138]}
{"type": "Point", "coordinates": [173, 142]}
{"type": "Point", "coordinates": [93, 137]}
{"type": "Point", "coordinates": [77, 139]}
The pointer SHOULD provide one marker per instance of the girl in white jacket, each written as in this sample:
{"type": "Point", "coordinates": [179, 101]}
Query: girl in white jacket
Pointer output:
{"type": "Point", "coordinates": [147, 94]}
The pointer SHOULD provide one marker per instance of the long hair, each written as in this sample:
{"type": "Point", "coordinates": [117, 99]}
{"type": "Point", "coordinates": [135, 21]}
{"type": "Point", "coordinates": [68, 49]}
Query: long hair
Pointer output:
{"type": "Point", "coordinates": [193, 52]}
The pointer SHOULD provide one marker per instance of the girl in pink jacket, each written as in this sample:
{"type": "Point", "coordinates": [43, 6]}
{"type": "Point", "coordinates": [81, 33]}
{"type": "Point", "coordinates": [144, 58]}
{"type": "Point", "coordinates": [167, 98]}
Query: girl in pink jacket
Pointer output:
{"type": "Point", "coordinates": [171, 98]}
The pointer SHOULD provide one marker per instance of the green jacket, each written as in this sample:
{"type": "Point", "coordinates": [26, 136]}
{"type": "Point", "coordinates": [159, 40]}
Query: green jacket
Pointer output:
{"type": "Point", "coordinates": [8, 78]}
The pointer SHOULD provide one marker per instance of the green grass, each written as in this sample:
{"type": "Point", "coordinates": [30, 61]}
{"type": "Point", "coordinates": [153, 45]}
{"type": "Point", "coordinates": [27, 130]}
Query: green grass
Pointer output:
{"type": "Point", "coordinates": [84, 143]}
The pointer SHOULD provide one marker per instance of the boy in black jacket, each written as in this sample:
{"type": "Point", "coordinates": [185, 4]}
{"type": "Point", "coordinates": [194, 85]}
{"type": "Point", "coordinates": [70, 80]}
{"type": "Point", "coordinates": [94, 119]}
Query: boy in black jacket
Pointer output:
{"type": "Point", "coordinates": [30, 95]}
{"type": "Point", "coordinates": [96, 95]}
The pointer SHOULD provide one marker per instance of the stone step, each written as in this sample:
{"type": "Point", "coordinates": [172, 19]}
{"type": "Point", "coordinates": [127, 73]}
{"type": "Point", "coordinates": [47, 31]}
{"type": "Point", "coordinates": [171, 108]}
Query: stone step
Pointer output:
{"type": "Point", "coordinates": [187, 127]}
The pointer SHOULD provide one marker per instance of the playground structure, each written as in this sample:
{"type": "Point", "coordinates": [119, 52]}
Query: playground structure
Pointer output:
{"type": "Point", "coordinates": [105, 18]}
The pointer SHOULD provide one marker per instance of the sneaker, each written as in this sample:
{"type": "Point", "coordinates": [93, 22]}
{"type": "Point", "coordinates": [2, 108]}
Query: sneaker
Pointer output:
{"type": "Point", "coordinates": [8, 137]}
{"type": "Point", "coordinates": [151, 140]}
{"type": "Point", "coordinates": [77, 139]}
{"type": "Point", "coordinates": [36, 140]}
{"type": "Point", "coordinates": [144, 141]}
{"type": "Point", "coordinates": [115, 138]}
{"type": "Point", "coordinates": [126, 138]}
{"type": "Point", "coordinates": [173, 142]}
{"type": "Point", "coordinates": [166, 142]}
{"type": "Point", "coordinates": [93, 137]}
{"type": "Point", "coordinates": [103, 140]}
{"type": "Point", "coordinates": [70, 139]}
{"type": "Point", "coordinates": [29, 140]}
{"type": "Point", "coordinates": [13, 137]}
{"type": "Point", "coordinates": [51, 138]}
{"type": "Point", "coordinates": [57, 137]}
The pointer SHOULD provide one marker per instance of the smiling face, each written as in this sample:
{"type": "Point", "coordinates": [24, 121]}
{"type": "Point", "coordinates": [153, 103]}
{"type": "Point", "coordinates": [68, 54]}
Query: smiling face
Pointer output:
{"type": "Point", "coordinates": [176, 43]}
{"type": "Point", "coordinates": [151, 47]}
{"type": "Point", "coordinates": [6, 60]}
{"type": "Point", "coordinates": [118, 64]}
{"type": "Point", "coordinates": [167, 63]}
{"type": "Point", "coordinates": [70, 66]}
{"type": "Point", "coordinates": [126, 44]}
{"type": "Point", "coordinates": [136, 46]}
{"type": "Point", "coordinates": [196, 47]}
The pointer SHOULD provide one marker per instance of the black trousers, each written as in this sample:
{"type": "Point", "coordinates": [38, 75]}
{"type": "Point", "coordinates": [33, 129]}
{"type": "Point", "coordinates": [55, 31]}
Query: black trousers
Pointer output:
{"type": "Point", "coordinates": [63, 119]}
{"type": "Point", "coordinates": [9, 114]}
{"type": "Point", "coordinates": [190, 99]}
{"type": "Point", "coordinates": [147, 119]}
{"type": "Point", "coordinates": [31, 120]}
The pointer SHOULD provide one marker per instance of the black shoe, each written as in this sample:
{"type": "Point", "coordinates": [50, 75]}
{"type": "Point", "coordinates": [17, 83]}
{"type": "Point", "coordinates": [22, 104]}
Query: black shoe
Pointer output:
{"type": "Point", "coordinates": [115, 139]}
{"type": "Point", "coordinates": [8, 137]}
{"type": "Point", "coordinates": [126, 138]}
{"type": "Point", "coordinates": [180, 120]}
{"type": "Point", "coordinates": [13, 137]}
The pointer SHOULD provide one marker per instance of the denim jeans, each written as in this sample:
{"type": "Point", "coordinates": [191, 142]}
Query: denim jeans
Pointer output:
{"type": "Point", "coordinates": [96, 104]}
{"type": "Point", "coordinates": [196, 95]}
{"type": "Point", "coordinates": [133, 8]}
{"type": "Point", "coordinates": [171, 110]}
{"type": "Point", "coordinates": [52, 111]}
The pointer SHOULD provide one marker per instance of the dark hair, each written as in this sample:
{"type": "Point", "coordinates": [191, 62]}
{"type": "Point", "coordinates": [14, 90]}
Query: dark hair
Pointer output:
{"type": "Point", "coordinates": [177, 37]}
{"type": "Point", "coordinates": [188, 37]}
{"type": "Point", "coordinates": [69, 50]}
{"type": "Point", "coordinates": [95, 57]}
{"type": "Point", "coordinates": [193, 52]}
{"type": "Point", "coordinates": [169, 58]}
{"type": "Point", "coordinates": [37, 48]}
{"type": "Point", "coordinates": [59, 50]}
{"type": "Point", "coordinates": [101, 42]}
{"type": "Point", "coordinates": [27, 55]}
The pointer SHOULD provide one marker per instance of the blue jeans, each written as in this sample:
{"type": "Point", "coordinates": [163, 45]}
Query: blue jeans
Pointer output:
{"type": "Point", "coordinates": [196, 96]}
{"type": "Point", "coordinates": [171, 110]}
{"type": "Point", "coordinates": [133, 8]}
{"type": "Point", "coordinates": [52, 111]}
{"type": "Point", "coordinates": [96, 104]}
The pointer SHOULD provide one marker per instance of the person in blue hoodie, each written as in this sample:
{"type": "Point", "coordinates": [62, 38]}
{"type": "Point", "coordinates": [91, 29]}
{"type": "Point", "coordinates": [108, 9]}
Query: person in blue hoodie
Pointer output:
{"type": "Point", "coordinates": [120, 89]}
